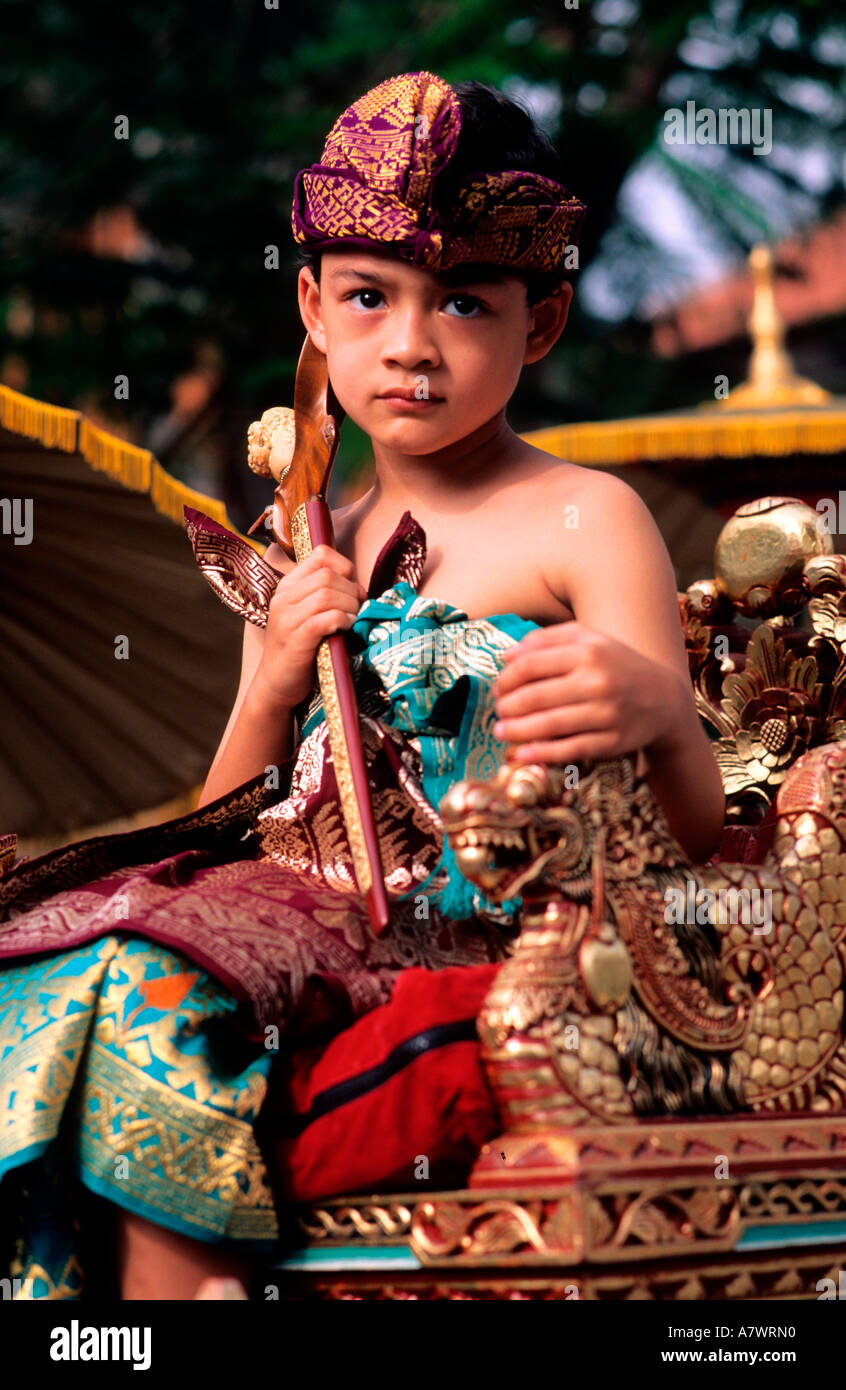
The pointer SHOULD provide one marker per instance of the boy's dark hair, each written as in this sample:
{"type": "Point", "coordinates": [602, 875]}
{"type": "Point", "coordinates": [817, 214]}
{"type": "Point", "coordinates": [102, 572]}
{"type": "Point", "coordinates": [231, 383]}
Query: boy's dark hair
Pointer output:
{"type": "Point", "coordinates": [496, 134]}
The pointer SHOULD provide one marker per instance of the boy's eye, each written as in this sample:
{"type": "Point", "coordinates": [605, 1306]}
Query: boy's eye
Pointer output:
{"type": "Point", "coordinates": [359, 294]}
{"type": "Point", "coordinates": [466, 305]}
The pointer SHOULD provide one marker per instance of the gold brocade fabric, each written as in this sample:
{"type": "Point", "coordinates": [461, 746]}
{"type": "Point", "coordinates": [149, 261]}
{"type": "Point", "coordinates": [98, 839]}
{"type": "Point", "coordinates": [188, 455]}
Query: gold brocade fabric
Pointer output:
{"type": "Point", "coordinates": [129, 1054]}
{"type": "Point", "coordinates": [133, 1054]}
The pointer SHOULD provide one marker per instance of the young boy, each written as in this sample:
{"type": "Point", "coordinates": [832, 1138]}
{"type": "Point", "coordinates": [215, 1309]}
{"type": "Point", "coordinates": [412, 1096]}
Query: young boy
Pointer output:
{"type": "Point", "coordinates": [425, 337]}
{"type": "Point", "coordinates": [425, 360]}
{"type": "Point", "coordinates": [435, 231]}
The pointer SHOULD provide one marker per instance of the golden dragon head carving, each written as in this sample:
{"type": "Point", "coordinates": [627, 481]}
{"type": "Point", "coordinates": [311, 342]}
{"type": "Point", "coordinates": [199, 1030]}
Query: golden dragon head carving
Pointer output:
{"type": "Point", "coordinates": [534, 824]}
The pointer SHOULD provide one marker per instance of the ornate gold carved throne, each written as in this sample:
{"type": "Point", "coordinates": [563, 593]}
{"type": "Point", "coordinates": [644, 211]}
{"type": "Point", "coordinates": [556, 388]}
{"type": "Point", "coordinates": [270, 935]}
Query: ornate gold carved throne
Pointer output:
{"type": "Point", "coordinates": [666, 1044]}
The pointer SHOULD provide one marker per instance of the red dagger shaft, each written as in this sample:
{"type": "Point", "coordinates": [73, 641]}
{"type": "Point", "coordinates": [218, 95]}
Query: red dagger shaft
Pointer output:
{"type": "Point", "coordinates": [321, 532]}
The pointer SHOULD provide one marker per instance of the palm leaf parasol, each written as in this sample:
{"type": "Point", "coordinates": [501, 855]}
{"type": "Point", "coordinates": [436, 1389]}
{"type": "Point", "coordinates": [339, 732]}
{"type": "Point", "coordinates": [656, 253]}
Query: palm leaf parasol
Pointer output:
{"type": "Point", "coordinates": [119, 666]}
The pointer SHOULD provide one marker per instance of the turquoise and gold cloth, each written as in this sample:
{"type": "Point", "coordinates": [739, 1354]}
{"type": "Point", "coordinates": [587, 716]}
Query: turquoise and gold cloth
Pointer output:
{"type": "Point", "coordinates": [128, 1070]}
{"type": "Point", "coordinates": [134, 1055]}
{"type": "Point", "coordinates": [436, 667]}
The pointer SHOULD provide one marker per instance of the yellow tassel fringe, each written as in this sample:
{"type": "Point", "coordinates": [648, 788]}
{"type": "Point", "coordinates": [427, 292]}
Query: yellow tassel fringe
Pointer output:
{"type": "Point", "coordinates": [134, 468]}
{"type": "Point", "coordinates": [765, 433]}
{"type": "Point", "coordinates": [49, 424]}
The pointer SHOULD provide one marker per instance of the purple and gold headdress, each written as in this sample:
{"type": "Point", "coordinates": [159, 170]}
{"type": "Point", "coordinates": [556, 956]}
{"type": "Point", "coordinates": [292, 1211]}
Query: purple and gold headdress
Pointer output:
{"type": "Point", "coordinates": [374, 186]}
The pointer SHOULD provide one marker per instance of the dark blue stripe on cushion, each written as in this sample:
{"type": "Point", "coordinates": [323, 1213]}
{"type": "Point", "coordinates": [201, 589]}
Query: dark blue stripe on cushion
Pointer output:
{"type": "Point", "coordinates": [289, 1126]}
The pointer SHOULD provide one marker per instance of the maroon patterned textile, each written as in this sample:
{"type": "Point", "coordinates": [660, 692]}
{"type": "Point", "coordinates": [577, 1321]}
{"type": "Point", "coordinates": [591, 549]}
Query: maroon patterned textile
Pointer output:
{"type": "Point", "coordinates": [301, 953]}
{"type": "Point", "coordinates": [288, 936]}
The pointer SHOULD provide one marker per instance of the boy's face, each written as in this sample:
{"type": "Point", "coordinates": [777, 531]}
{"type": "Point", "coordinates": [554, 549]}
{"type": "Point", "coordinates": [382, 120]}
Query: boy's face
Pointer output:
{"type": "Point", "coordinates": [420, 360]}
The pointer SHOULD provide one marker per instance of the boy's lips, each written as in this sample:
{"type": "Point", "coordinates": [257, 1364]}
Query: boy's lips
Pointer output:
{"type": "Point", "coordinates": [406, 398]}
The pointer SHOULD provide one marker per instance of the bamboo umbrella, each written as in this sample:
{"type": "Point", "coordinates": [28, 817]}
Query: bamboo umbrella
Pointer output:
{"type": "Point", "coordinates": [119, 666]}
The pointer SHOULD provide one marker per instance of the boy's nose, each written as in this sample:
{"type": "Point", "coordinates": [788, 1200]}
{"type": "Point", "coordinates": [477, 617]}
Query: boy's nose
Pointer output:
{"type": "Point", "coordinates": [410, 343]}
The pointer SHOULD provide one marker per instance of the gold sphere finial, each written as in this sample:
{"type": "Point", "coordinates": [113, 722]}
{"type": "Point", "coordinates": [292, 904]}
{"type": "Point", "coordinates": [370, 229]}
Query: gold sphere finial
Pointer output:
{"type": "Point", "coordinates": [762, 552]}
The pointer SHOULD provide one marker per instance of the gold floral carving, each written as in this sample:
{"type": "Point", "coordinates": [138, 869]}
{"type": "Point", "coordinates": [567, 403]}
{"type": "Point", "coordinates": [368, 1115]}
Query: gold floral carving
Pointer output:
{"type": "Point", "coordinates": [771, 713]}
{"type": "Point", "coordinates": [772, 693]}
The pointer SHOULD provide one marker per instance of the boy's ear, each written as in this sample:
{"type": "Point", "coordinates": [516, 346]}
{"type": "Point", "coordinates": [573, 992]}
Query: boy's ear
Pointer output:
{"type": "Point", "coordinates": [548, 319]}
{"type": "Point", "coordinates": [308, 297]}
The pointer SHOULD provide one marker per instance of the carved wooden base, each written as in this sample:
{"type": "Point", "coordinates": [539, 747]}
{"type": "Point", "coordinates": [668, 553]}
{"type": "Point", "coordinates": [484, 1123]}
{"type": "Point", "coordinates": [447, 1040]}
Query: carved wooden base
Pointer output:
{"type": "Point", "coordinates": [786, 1276]}
{"type": "Point", "coordinates": [746, 1207]}
{"type": "Point", "coordinates": [651, 1189]}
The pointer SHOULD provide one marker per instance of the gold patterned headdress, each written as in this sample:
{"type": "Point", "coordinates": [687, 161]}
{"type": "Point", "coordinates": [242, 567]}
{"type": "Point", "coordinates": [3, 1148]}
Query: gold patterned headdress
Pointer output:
{"type": "Point", "coordinates": [377, 182]}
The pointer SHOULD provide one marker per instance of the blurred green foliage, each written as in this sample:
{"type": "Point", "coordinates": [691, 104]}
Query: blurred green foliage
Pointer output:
{"type": "Point", "coordinates": [226, 101]}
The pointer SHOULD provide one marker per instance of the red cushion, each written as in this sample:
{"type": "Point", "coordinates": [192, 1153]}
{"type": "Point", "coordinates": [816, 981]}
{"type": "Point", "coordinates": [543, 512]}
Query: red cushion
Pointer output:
{"type": "Point", "coordinates": [356, 1114]}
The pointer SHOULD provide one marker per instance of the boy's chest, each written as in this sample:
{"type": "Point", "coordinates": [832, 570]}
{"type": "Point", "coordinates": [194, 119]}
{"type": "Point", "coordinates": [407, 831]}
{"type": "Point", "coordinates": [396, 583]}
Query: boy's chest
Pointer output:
{"type": "Point", "coordinates": [495, 564]}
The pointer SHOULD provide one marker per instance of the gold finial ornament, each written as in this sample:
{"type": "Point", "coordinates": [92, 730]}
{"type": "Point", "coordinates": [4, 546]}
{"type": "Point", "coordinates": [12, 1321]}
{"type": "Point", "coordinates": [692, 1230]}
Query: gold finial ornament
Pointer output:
{"type": "Point", "coordinates": [772, 380]}
{"type": "Point", "coordinates": [762, 552]}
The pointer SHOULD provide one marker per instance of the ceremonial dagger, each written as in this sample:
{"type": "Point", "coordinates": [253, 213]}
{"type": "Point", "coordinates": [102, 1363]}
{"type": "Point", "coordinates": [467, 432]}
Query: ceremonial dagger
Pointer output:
{"type": "Point", "coordinates": [302, 520]}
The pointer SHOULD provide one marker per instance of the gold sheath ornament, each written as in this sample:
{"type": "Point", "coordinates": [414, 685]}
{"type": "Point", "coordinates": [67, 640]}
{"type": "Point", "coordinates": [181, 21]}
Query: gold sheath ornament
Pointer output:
{"type": "Point", "coordinates": [337, 739]}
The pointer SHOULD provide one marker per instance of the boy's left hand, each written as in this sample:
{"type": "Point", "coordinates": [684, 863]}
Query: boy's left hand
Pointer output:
{"type": "Point", "coordinates": [568, 692]}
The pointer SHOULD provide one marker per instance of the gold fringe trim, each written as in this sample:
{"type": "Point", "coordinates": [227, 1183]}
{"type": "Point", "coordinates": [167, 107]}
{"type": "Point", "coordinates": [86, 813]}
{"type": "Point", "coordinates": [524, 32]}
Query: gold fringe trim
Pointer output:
{"type": "Point", "coordinates": [814, 430]}
{"type": "Point", "coordinates": [128, 465]}
{"type": "Point", "coordinates": [169, 495]}
{"type": "Point", "coordinates": [50, 425]}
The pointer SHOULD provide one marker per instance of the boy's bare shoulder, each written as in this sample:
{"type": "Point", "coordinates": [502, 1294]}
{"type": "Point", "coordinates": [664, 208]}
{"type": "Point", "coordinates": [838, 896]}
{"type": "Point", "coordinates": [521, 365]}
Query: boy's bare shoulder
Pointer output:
{"type": "Point", "coordinates": [593, 530]}
{"type": "Point", "coordinates": [602, 499]}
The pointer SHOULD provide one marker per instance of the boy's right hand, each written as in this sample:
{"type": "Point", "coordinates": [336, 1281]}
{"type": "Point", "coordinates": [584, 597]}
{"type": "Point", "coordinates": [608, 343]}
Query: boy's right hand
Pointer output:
{"type": "Point", "coordinates": [316, 597]}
